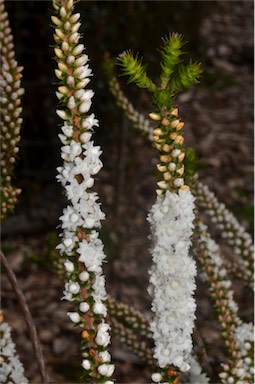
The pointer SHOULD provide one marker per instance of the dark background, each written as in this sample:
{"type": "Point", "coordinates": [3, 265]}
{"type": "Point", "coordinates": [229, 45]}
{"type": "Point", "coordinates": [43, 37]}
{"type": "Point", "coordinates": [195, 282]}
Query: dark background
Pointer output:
{"type": "Point", "coordinates": [218, 116]}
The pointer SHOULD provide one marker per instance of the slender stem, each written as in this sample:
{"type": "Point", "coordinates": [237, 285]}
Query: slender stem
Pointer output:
{"type": "Point", "coordinates": [28, 318]}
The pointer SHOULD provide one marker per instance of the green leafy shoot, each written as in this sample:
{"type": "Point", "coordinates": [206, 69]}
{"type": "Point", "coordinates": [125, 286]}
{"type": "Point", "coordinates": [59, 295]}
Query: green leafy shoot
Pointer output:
{"type": "Point", "coordinates": [133, 68]}
{"type": "Point", "coordinates": [171, 52]}
{"type": "Point", "coordinates": [185, 77]}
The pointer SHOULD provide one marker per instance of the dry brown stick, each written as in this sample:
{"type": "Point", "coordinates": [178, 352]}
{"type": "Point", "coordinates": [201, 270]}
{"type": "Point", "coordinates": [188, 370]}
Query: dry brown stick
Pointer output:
{"type": "Point", "coordinates": [28, 318]}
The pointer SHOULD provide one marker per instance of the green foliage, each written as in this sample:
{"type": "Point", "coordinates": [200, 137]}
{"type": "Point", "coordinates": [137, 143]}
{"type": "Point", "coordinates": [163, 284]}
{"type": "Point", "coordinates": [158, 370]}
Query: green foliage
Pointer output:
{"type": "Point", "coordinates": [175, 76]}
{"type": "Point", "coordinates": [171, 52]}
{"type": "Point", "coordinates": [185, 76]}
{"type": "Point", "coordinates": [133, 68]}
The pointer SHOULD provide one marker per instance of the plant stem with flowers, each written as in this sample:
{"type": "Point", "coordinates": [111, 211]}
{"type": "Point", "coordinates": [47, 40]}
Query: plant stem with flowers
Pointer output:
{"type": "Point", "coordinates": [10, 111]}
{"type": "Point", "coordinates": [172, 275]}
{"type": "Point", "coordinates": [81, 220]}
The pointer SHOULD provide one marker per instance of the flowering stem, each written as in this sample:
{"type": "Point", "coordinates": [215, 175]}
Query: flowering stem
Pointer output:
{"type": "Point", "coordinates": [207, 253]}
{"type": "Point", "coordinates": [81, 219]}
{"type": "Point", "coordinates": [27, 316]}
{"type": "Point", "coordinates": [10, 110]}
{"type": "Point", "coordinates": [172, 275]}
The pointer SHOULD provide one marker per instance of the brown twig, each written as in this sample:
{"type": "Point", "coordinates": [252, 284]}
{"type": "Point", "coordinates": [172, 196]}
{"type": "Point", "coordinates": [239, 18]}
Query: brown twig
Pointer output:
{"type": "Point", "coordinates": [28, 318]}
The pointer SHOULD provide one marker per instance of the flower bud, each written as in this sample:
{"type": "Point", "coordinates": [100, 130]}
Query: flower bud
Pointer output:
{"type": "Point", "coordinates": [69, 266]}
{"type": "Point", "coordinates": [84, 307]}
{"type": "Point", "coordinates": [74, 18]}
{"type": "Point", "coordinates": [55, 20]}
{"type": "Point", "coordinates": [70, 81]}
{"type": "Point", "coordinates": [155, 116]}
{"type": "Point", "coordinates": [84, 276]}
{"type": "Point", "coordinates": [81, 60]}
{"type": "Point", "coordinates": [181, 156]}
{"type": "Point", "coordinates": [71, 103]}
{"type": "Point", "coordinates": [75, 27]}
{"type": "Point", "coordinates": [78, 49]}
{"type": "Point", "coordinates": [157, 131]}
{"type": "Point", "coordinates": [69, 5]}
{"type": "Point", "coordinates": [74, 316]}
{"type": "Point", "coordinates": [85, 106]}
{"type": "Point", "coordinates": [156, 377]}
{"type": "Point", "coordinates": [161, 168]}
{"type": "Point", "coordinates": [74, 288]}
{"type": "Point", "coordinates": [60, 34]}
{"type": "Point", "coordinates": [176, 152]}
{"type": "Point", "coordinates": [180, 126]}
{"type": "Point", "coordinates": [58, 53]}
{"type": "Point", "coordinates": [67, 26]}
{"type": "Point", "coordinates": [172, 167]}
{"type": "Point", "coordinates": [62, 114]}
{"type": "Point", "coordinates": [62, 12]}
{"type": "Point", "coordinates": [70, 59]}
{"type": "Point", "coordinates": [162, 185]}
{"type": "Point", "coordinates": [74, 38]}
{"type": "Point", "coordinates": [65, 46]}
{"type": "Point", "coordinates": [64, 90]}
{"type": "Point", "coordinates": [62, 67]}
{"type": "Point", "coordinates": [174, 123]}
{"type": "Point", "coordinates": [86, 364]}
{"type": "Point", "coordinates": [178, 182]}
{"type": "Point", "coordinates": [164, 158]}
{"type": "Point", "coordinates": [167, 176]}
{"type": "Point", "coordinates": [174, 112]}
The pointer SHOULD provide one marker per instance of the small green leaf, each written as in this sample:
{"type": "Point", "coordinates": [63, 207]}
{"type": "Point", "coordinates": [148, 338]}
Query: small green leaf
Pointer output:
{"type": "Point", "coordinates": [171, 52]}
{"type": "Point", "coordinates": [185, 77]}
{"type": "Point", "coordinates": [133, 68]}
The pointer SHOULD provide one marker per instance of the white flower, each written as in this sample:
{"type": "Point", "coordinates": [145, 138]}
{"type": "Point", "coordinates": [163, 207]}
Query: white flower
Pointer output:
{"type": "Point", "coordinates": [106, 369]}
{"type": "Point", "coordinates": [73, 287]}
{"type": "Point", "coordinates": [69, 266]}
{"type": "Point", "coordinates": [84, 276]}
{"type": "Point", "coordinates": [84, 307]}
{"type": "Point", "coordinates": [105, 356]}
{"type": "Point", "coordinates": [86, 364]}
{"type": "Point", "coordinates": [85, 106]}
{"type": "Point", "coordinates": [91, 256]}
{"type": "Point", "coordinates": [103, 337]}
{"type": "Point", "coordinates": [11, 369]}
{"type": "Point", "coordinates": [89, 122]}
{"type": "Point", "coordinates": [74, 316]}
{"type": "Point", "coordinates": [69, 152]}
{"type": "Point", "coordinates": [156, 377]}
{"type": "Point", "coordinates": [100, 309]}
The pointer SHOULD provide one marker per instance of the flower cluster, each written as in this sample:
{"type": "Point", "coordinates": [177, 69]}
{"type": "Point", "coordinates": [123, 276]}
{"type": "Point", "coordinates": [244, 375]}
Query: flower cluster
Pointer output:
{"type": "Point", "coordinates": [172, 280]}
{"type": "Point", "coordinates": [10, 110]}
{"type": "Point", "coordinates": [245, 337]}
{"type": "Point", "coordinates": [169, 140]}
{"type": "Point", "coordinates": [11, 369]}
{"type": "Point", "coordinates": [231, 230]}
{"type": "Point", "coordinates": [81, 219]}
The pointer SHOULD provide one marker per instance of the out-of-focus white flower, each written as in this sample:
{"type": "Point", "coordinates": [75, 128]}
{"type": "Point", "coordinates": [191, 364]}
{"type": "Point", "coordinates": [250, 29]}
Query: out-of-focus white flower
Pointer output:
{"type": "Point", "coordinates": [11, 369]}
